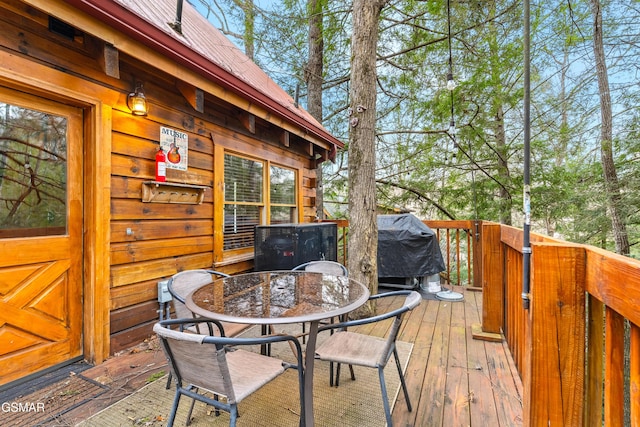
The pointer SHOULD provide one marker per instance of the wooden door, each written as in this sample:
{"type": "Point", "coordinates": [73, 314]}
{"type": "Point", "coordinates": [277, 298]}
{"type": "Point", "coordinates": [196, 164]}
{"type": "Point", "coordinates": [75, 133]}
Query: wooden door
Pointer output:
{"type": "Point", "coordinates": [40, 234]}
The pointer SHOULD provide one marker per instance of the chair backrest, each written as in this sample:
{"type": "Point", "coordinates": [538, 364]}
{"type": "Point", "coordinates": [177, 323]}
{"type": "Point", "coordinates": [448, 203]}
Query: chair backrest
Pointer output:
{"type": "Point", "coordinates": [189, 356]}
{"type": "Point", "coordinates": [185, 282]}
{"type": "Point", "coordinates": [328, 267]}
{"type": "Point", "coordinates": [411, 301]}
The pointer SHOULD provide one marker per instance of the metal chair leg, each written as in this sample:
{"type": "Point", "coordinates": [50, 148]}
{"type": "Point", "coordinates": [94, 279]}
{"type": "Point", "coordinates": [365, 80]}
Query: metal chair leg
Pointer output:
{"type": "Point", "coordinates": [385, 397]}
{"type": "Point", "coordinates": [402, 380]}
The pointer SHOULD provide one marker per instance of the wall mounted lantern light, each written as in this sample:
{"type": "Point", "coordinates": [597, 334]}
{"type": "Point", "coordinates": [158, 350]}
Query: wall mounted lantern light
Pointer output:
{"type": "Point", "coordinates": [137, 102]}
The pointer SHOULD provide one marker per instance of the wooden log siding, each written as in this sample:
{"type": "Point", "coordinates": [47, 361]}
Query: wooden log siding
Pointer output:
{"type": "Point", "coordinates": [152, 241]}
{"type": "Point", "coordinates": [131, 245]}
{"type": "Point", "coordinates": [164, 239]}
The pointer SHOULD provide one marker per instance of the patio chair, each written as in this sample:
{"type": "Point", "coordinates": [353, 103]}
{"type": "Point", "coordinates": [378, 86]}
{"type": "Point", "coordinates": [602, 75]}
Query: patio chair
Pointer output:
{"type": "Point", "coordinates": [204, 363]}
{"type": "Point", "coordinates": [336, 269]}
{"type": "Point", "coordinates": [182, 284]}
{"type": "Point", "coordinates": [185, 282]}
{"type": "Point", "coordinates": [369, 351]}
{"type": "Point", "coordinates": [322, 266]}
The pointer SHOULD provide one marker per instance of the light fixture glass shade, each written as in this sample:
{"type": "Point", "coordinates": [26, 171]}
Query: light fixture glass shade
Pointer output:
{"type": "Point", "coordinates": [137, 102]}
{"type": "Point", "coordinates": [451, 84]}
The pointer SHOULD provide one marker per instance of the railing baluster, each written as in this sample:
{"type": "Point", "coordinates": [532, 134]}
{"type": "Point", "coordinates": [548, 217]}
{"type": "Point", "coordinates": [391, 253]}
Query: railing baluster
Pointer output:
{"type": "Point", "coordinates": [614, 372]}
{"type": "Point", "coordinates": [448, 234]}
{"type": "Point", "coordinates": [469, 258]}
{"type": "Point", "coordinates": [458, 279]}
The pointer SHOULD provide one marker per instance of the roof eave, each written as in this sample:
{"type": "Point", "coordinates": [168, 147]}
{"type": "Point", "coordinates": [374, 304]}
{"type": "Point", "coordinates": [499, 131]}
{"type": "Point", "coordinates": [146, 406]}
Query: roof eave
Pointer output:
{"type": "Point", "coordinates": [142, 31]}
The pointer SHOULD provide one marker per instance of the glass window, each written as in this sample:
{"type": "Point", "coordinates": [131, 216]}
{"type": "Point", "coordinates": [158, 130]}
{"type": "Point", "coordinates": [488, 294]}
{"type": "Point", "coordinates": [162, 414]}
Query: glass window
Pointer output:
{"type": "Point", "coordinates": [33, 172]}
{"type": "Point", "coordinates": [245, 199]}
{"type": "Point", "coordinates": [243, 188]}
{"type": "Point", "coordinates": [282, 184]}
{"type": "Point", "coordinates": [239, 223]}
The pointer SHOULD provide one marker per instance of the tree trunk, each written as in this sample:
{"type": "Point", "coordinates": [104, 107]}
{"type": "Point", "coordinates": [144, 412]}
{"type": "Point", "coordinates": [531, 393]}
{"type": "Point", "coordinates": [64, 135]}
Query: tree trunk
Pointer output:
{"type": "Point", "coordinates": [249, 27]}
{"type": "Point", "coordinates": [502, 150]}
{"type": "Point", "coordinates": [314, 76]}
{"type": "Point", "coordinates": [363, 227]}
{"type": "Point", "coordinates": [611, 183]}
{"type": "Point", "coordinates": [504, 177]}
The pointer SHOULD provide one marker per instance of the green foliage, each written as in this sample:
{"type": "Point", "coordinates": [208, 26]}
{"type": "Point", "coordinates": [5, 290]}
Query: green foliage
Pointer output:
{"type": "Point", "coordinates": [478, 173]}
{"type": "Point", "coordinates": [156, 376]}
{"type": "Point", "coordinates": [32, 169]}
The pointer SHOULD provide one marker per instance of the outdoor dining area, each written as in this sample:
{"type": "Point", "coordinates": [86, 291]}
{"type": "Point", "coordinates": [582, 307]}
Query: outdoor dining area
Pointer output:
{"type": "Point", "coordinates": [97, 219]}
{"type": "Point", "coordinates": [237, 353]}
{"type": "Point", "coordinates": [200, 359]}
{"type": "Point", "coordinates": [451, 378]}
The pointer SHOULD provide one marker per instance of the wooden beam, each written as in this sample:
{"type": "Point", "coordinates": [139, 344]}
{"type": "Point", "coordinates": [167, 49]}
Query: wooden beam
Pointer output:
{"type": "Point", "coordinates": [476, 244]}
{"type": "Point", "coordinates": [479, 334]}
{"type": "Point", "coordinates": [285, 138]}
{"type": "Point", "coordinates": [193, 95]}
{"type": "Point", "coordinates": [248, 121]}
{"type": "Point", "coordinates": [613, 372]}
{"type": "Point", "coordinates": [110, 61]}
{"type": "Point", "coordinates": [555, 385]}
{"type": "Point", "coordinates": [634, 372]}
{"type": "Point", "coordinates": [594, 376]}
{"type": "Point", "coordinates": [218, 202]}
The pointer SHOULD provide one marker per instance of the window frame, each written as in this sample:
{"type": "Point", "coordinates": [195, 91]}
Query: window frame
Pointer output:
{"type": "Point", "coordinates": [293, 207]}
{"type": "Point", "coordinates": [264, 206]}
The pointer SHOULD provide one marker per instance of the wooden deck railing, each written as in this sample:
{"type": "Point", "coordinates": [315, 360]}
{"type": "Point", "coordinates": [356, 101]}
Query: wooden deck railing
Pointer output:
{"type": "Point", "coordinates": [460, 243]}
{"type": "Point", "coordinates": [577, 346]}
{"type": "Point", "coordinates": [569, 346]}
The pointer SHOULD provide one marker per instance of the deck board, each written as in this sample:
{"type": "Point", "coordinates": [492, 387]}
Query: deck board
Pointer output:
{"type": "Point", "coordinates": [457, 393]}
{"type": "Point", "coordinates": [454, 379]}
{"type": "Point", "coordinates": [482, 405]}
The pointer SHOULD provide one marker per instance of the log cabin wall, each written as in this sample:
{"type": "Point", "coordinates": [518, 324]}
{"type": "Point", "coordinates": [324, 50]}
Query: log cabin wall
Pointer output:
{"type": "Point", "coordinates": [165, 238]}
{"type": "Point", "coordinates": [148, 242]}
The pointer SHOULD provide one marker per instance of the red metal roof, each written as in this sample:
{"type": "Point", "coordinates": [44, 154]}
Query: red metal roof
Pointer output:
{"type": "Point", "coordinates": [204, 49]}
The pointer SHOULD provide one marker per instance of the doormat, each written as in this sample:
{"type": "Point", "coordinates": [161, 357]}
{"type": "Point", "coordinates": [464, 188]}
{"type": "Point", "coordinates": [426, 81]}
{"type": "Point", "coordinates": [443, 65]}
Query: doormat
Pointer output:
{"type": "Point", "coordinates": [49, 402]}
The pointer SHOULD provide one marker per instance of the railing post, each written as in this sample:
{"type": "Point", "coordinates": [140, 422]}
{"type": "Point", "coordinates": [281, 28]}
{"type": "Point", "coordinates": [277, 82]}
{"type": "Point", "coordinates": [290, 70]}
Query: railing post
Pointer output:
{"type": "Point", "coordinates": [492, 279]}
{"type": "Point", "coordinates": [553, 377]}
{"type": "Point", "coordinates": [476, 244]}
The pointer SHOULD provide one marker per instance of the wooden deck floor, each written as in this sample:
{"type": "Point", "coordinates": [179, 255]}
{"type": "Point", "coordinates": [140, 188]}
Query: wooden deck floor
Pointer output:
{"type": "Point", "coordinates": [453, 379]}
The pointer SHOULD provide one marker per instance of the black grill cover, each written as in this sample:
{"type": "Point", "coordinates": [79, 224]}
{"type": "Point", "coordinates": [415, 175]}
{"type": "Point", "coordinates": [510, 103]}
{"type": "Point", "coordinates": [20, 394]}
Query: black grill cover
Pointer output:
{"type": "Point", "coordinates": [407, 247]}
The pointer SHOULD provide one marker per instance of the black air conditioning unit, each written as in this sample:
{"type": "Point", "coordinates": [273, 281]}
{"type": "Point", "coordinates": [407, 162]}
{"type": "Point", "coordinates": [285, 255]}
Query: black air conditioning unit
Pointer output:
{"type": "Point", "coordinates": [284, 246]}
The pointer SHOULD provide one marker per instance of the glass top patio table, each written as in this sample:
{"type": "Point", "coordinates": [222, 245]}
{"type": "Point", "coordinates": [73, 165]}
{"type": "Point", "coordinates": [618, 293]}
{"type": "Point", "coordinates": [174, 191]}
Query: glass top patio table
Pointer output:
{"type": "Point", "coordinates": [278, 297]}
{"type": "Point", "coordinates": [270, 297]}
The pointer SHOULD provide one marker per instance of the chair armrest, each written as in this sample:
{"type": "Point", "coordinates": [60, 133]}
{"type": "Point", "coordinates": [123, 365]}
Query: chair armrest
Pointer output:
{"type": "Point", "coordinates": [264, 339]}
{"type": "Point", "coordinates": [182, 324]}
{"type": "Point", "coordinates": [409, 304]}
{"type": "Point", "coordinates": [223, 341]}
